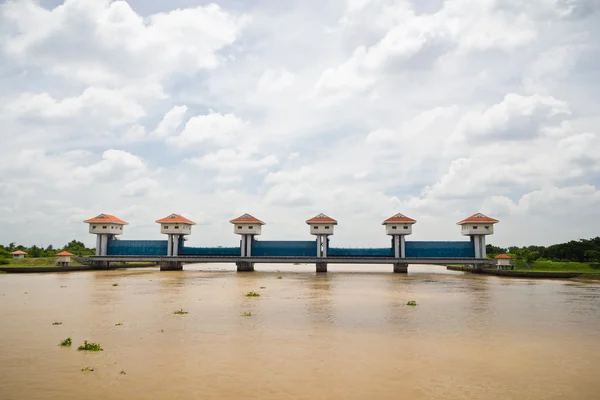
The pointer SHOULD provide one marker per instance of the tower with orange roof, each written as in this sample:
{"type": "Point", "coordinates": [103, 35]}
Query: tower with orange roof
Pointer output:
{"type": "Point", "coordinates": [247, 227]}
{"type": "Point", "coordinates": [478, 226]}
{"type": "Point", "coordinates": [398, 226]}
{"type": "Point", "coordinates": [106, 227]}
{"type": "Point", "coordinates": [176, 227]}
{"type": "Point", "coordinates": [322, 227]}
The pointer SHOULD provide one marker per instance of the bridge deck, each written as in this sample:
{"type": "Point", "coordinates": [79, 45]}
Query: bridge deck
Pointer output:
{"type": "Point", "coordinates": [291, 260]}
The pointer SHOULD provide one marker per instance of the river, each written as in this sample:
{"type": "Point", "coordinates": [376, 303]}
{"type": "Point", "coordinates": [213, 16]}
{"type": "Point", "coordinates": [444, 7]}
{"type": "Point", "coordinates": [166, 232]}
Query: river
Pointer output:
{"type": "Point", "coordinates": [347, 334]}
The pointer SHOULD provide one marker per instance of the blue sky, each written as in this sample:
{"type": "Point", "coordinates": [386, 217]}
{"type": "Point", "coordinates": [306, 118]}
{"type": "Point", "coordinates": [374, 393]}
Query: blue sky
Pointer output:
{"type": "Point", "coordinates": [356, 108]}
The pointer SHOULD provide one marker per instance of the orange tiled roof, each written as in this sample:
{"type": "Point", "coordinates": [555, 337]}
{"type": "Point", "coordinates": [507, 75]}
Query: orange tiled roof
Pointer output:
{"type": "Point", "coordinates": [105, 218]}
{"type": "Point", "coordinates": [479, 217]}
{"type": "Point", "coordinates": [65, 253]}
{"type": "Point", "coordinates": [321, 219]}
{"type": "Point", "coordinates": [503, 256]}
{"type": "Point", "coordinates": [400, 218]}
{"type": "Point", "coordinates": [176, 218]}
{"type": "Point", "coordinates": [18, 253]}
{"type": "Point", "coordinates": [246, 218]}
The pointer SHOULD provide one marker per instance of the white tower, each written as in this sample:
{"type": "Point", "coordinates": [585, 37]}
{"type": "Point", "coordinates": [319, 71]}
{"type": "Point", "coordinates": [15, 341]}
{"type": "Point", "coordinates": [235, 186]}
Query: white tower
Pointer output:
{"type": "Point", "coordinates": [321, 226]}
{"type": "Point", "coordinates": [175, 227]}
{"type": "Point", "coordinates": [247, 226]}
{"type": "Point", "coordinates": [398, 226]}
{"type": "Point", "coordinates": [477, 226]}
{"type": "Point", "coordinates": [105, 227]}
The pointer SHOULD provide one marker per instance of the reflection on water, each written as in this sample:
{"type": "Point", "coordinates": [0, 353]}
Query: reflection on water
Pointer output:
{"type": "Point", "coordinates": [347, 334]}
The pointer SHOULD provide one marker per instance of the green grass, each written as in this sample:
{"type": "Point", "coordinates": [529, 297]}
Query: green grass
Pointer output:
{"type": "Point", "coordinates": [36, 262]}
{"type": "Point", "coordinates": [558, 266]}
{"type": "Point", "coordinates": [180, 312]}
{"type": "Point", "coordinates": [90, 346]}
{"type": "Point", "coordinates": [66, 343]}
{"type": "Point", "coordinates": [252, 294]}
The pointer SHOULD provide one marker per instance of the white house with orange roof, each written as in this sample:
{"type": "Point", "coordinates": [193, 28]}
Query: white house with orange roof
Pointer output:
{"type": "Point", "coordinates": [478, 226]}
{"type": "Point", "coordinates": [398, 226]}
{"type": "Point", "coordinates": [64, 259]}
{"type": "Point", "coordinates": [321, 226]}
{"type": "Point", "coordinates": [175, 226]}
{"type": "Point", "coordinates": [105, 227]}
{"type": "Point", "coordinates": [18, 254]}
{"type": "Point", "coordinates": [503, 261]}
{"type": "Point", "coordinates": [247, 226]}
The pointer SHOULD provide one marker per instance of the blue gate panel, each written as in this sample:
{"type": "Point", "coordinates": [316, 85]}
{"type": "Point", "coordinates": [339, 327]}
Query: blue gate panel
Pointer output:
{"type": "Point", "coordinates": [284, 248]}
{"type": "Point", "coordinates": [137, 248]}
{"type": "Point", "coordinates": [439, 250]}
{"type": "Point", "coordinates": [360, 252]}
{"type": "Point", "coordinates": [209, 251]}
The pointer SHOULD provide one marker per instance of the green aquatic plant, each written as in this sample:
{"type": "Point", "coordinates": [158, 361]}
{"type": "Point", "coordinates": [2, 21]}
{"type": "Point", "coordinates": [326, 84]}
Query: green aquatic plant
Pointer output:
{"type": "Point", "coordinates": [90, 346]}
{"type": "Point", "coordinates": [115, 284]}
{"type": "Point", "coordinates": [123, 373]}
{"type": "Point", "coordinates": [118, 324]}
{"type": "Point", "coordinates": [87, 369]}
{"type": "Point", "coordinates": [411, 303]}
{"type": "Point", "coordinates": [279, 277]}
{"type": "Point", "coordinates": [57, 323]}
{"type": "Point", "coordinates": [262, 287]}
{"type": "Point", "coordinates": [66, 343]}
{"type": "Point", "coordinates": [252, 294]}
{"type": "Point", "coordinates": [247, 314]}
{"type": "Point", "coordinates": [180, 312]}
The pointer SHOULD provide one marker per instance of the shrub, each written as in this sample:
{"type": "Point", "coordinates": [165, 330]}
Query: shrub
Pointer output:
{"type": "Point", "coordinates": [90, 346]}
{"type": "Point", "coordinates": [66, 343]}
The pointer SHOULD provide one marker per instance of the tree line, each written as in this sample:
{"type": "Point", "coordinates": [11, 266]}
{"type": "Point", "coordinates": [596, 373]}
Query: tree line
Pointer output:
{"type": "Point", "coordinates": [582, 250]}
{"type": "Point", "coordinates": [74, 246]}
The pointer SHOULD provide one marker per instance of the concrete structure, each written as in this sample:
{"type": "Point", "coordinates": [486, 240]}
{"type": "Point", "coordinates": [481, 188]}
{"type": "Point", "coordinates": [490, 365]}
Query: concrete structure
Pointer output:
{"type": "Point", "coordinates": [322, 227]}
{"type": "Point", "coordinates": [504, 261]}
{"type": "Point", "coordinates": [64, 259]}
{"type": "Point", "coordinates": [18, 254]}
{"type": "Point", "coordinates": [398, 226]}
{"type": "Point", "coordinates": [106, 227]}
{"type": "Point", "coordinates": [247, 227]}
{"type": "Point", "coordinates": [175, 227]}
{"type": "Point", "coordinates": [477, 226]}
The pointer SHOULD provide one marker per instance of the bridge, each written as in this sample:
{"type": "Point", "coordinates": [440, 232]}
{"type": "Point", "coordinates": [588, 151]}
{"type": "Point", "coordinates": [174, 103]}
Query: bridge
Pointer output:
{"type": "Point", "coordinates": [172, 253]}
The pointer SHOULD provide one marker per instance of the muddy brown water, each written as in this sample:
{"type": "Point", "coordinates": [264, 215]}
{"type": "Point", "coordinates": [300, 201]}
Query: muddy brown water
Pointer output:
{"type": "Point", "coordinates": [347, 334]}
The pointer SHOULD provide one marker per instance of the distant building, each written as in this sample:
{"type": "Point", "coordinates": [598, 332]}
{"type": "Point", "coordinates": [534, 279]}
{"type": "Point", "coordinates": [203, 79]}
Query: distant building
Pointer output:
{"type": "Point", "coordinates": [398, 226]}
{"type": "Point", "coordinates": [176, 227]}
{"type": "Point", "coordinates": [18, 254]}
{"type": "Point", "coordinates": [321, 226]}
{"type": "Point", "coordinates": [64, 259]}
{"type": "Point", "coordinates": [106, 227]}
{"type": "Point", "coordinates": [247, 226]}
{"type": "Point", "coordinates": [504, 261]}
{"type": "Point", "coordinates": [477, 226]}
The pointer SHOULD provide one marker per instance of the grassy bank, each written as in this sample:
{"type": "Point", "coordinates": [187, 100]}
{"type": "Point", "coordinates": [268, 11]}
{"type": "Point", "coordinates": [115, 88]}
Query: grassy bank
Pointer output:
{"type": "Point", "coordinates": [557, 266]}
{"type": "Point", "coordinates": [35, 262]}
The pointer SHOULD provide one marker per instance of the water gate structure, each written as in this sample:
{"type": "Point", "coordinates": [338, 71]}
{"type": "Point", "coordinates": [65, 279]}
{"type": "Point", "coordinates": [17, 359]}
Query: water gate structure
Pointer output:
{"type": "Point", "coordinates": [172, 253]}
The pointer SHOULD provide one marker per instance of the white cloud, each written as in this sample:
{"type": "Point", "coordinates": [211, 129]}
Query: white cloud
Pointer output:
{"type": "Point", "coordinates": [171, 121]}
{"type": "Point", "coordinates": [216, 128]}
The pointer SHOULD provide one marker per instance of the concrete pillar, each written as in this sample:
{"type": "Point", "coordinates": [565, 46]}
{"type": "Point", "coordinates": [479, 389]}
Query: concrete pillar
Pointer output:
{"type": "Point", "coordinates": [169, 245]}
{"type": "Point", "coordinates": [482, 242]}
{"type": "Point", "coordinates": [319, 247]}
{"type": "Point", "coordinates": [321, 267]}
{"type": "Point", "coordinates": [249, 240]}
{"type": "Point", "coordinates": [175, 245]}
{"type": "Point", "coordinates": [400, 268]}
{"type": "Point", "coordinates": [243, 246]}
{"type": "Point", "coordinates": [324, 253]}
{"type": "Point", "coordinates": [476, 246]}
{"type": "Point", "coordinates": [396, 242]}
{"type": "Point", "coordinates": [98, 245]}
{"type": "Point", "coordinates": [171, 266]}
{"type": "Point", "coordinates": [104, 244]}
{"type": "Point", "coordinates": [402, 246]}
{"type": "Point", "coordinates": [244, 266]}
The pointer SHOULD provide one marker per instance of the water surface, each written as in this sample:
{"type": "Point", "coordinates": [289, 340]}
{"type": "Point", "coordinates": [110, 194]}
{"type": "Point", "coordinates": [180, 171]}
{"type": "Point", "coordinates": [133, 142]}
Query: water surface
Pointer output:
{"type": "Point", "coordinates": [347, 334]}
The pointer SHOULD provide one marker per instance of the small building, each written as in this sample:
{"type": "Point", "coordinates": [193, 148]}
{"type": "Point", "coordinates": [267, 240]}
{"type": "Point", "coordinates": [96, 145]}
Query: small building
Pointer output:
{"type": "Point", "coordinates": [176, 227]}
{"type": "Point", "coordinates": [477, 226]}
{"type": "Point", "coordinates": [247, 226]}
{"type": "Point", "coordinates": [398, 226]}
{"type": "Point", "coordinates": [18, 254]}
{"type": "Point", "coordinates": [504, 261]}
{"type": "Point", "coordinates": [64, 259]}
{"type": "Point", "coordinates": [106, 227]}
{"type": "Point", "coordinates": [321, 226]}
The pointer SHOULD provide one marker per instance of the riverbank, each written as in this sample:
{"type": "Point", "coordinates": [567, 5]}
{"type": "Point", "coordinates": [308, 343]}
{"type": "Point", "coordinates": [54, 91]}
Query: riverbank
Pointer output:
{"type": "Point", "coordinates": [542, 269]}
{"type": "Point", "coordinates": [48, 264]}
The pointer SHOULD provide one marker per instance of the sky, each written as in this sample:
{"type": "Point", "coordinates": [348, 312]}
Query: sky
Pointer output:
{"type": "Point", "coordinates": [359, 109]}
